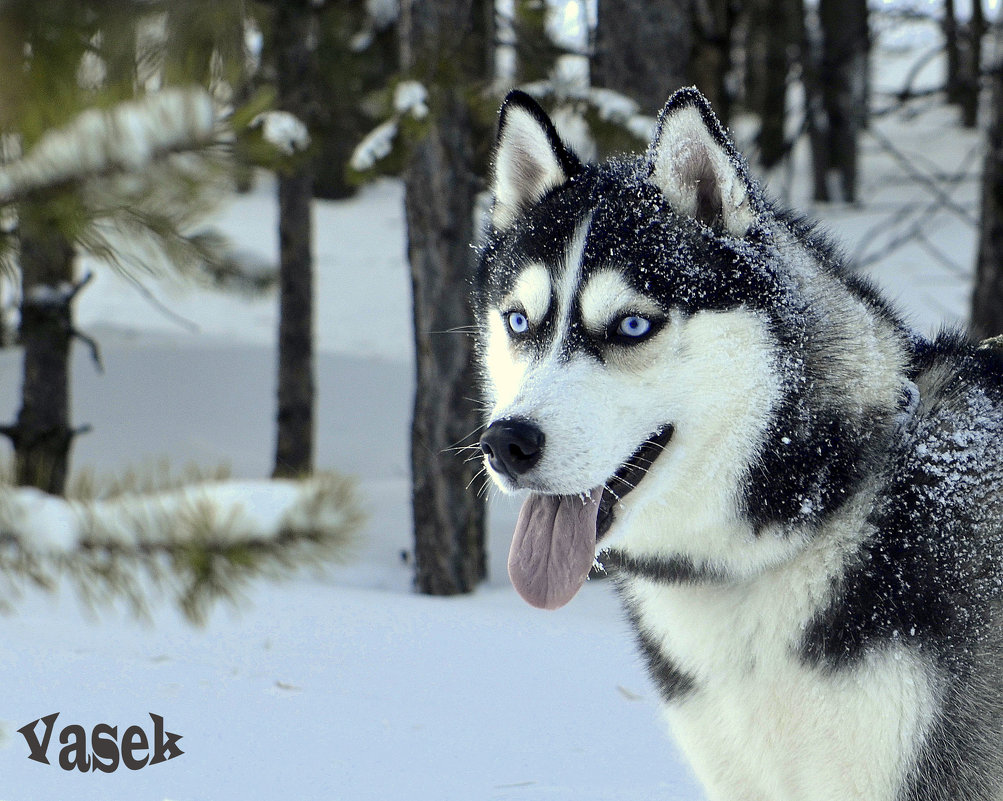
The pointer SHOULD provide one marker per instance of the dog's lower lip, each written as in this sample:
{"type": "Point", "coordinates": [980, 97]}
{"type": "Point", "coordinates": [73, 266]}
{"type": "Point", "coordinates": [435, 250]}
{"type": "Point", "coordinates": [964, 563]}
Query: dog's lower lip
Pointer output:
{"type": "Point", "coordinates": [628, 476]}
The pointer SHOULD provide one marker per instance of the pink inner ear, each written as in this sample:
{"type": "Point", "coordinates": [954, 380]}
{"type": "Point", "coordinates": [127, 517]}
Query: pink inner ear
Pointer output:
{"type": "Point", "coordinates": [698, 171]}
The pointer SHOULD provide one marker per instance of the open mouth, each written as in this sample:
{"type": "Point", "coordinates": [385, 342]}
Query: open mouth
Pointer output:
{"type": "Point", "coordinates": [628, 477]}
{"type": "Point", "coordinates": [554, 544]}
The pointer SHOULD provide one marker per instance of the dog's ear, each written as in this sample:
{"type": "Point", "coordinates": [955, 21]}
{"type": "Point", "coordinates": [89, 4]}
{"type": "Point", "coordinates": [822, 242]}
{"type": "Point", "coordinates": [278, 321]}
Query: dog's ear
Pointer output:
{"type": "Point", "coordinates": [695, 164]}
{"type": "Point", "coordinates": [530, 158]}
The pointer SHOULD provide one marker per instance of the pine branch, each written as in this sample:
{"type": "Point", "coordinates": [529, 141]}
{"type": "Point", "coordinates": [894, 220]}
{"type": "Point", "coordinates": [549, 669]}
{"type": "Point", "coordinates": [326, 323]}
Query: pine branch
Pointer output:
{"type": "Point", "coordinates": [125, 138]}
{"type": "Point", "coordinates": [148, 222]}
{"type": "Point", "coordinates": [195, 545]}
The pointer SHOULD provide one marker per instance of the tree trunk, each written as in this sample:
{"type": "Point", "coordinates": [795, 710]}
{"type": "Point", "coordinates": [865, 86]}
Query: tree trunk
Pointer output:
{"type": "Point", "coordinates": [970, 67]}
{"type": "Point", "coordinates": [42, 435]}
{"type": "Point", "coordinates": [444, 44]}
{"type": "Point", "coordinates": [816, 119]}
{"type": "Point", "coordinates": [841, 80]}
{"type": "Point", "coordinates": [710, 58]}
{"type": "Point", "coordinates": [987, 302]}
{"type": "Point", "coordinates": [772, 32]}
{"type": "Point", "coordinates": [295, 67]}
{"type": "Point", "coordinates": [647, 69]}
{"type": "Point", "coordinates": [952, 52]}
{"type": "Point", "coordinates": [294, 432]}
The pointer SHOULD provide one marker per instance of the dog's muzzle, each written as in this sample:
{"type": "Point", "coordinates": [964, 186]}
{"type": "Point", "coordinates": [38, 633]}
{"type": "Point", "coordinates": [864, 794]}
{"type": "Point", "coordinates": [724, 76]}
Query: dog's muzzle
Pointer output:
{"type": "Point", "coordinates": [555, 539]}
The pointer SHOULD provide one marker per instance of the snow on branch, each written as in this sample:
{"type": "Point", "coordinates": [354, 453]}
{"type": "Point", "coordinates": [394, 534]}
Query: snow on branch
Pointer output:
{"type": "Point", "coordinates": [197, 543]}
{"type": "Point", "coordinates": [374, 147]}
{"type": "Point", "coordinates": [283, 131]}
{"type": "Point", "coordinates": [125, 137]}
{"type": "Point", "coordinates": [410, 99]}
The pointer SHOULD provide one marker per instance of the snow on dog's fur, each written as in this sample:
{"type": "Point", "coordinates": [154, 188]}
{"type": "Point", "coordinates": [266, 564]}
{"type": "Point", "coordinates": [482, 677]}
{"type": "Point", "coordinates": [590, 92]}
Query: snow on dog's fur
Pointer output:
{"type": "Point", "coordinates": [797, 495]}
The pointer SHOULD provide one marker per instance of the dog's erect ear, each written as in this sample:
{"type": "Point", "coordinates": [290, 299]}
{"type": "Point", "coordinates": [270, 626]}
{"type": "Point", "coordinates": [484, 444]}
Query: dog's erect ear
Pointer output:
{"type": "Point", "coordinates": [695, 164]}
{"type": "Point", "coordinates": [530, 158]}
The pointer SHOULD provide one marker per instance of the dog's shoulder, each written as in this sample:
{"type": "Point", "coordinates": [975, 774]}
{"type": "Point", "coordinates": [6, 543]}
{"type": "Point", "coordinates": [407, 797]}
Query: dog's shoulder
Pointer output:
{"type": "Point", "coordinates": [930, 569]}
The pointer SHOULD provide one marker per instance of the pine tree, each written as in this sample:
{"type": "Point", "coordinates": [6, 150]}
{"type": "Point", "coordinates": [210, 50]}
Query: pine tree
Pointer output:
{"type": "Point", "coordinates": [68, 80]}
{"type": "Point", "coordinates": [326, 93]}
{"type": "Point", "coordinates": [192, 544]}
{"type": "Point", "coordinates": [111, 115]}
{"type": "Point", "coordinates": [535, 49]}
{"type": "Point", "coordinates": [357, 52]}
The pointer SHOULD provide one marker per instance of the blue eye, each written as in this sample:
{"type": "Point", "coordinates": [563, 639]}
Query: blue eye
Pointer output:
{"type": "Point", "coordinates": [634, 326]}
{"type": "Point", "coordinates": [517, 322]}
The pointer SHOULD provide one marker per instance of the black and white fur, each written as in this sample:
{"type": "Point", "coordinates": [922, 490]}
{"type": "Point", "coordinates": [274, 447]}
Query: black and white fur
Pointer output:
{"type": "Point", "coordinates": [812, 563]}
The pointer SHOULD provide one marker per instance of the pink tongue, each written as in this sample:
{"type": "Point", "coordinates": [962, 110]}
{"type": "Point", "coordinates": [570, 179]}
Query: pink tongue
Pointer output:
{"type": "Point", "coordinates": [554, 547]}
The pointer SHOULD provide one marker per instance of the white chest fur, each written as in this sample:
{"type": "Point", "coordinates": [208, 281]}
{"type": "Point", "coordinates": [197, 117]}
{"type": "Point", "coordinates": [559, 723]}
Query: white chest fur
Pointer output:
{"type": "Point", "coordinates": [760, 724]}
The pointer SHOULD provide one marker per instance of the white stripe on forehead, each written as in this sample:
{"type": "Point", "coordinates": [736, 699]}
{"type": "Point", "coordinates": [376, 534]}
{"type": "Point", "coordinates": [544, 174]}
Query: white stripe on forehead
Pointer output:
{"type": "Point", "coordinates": [570, 281]}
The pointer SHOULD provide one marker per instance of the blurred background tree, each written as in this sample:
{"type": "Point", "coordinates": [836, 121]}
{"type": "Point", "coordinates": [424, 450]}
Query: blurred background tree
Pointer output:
{"type": "Point", "coordinates": [292, 45]}
{"type": "Point", "coordinates": [646, 74]}
{"type": "Point", "coordinates": [357, 53]}
{"type": "Point", "coordinates": [328, 64]}
{"type": "Point", "coordinates": [122, 124]}
{"type": "Point", "coordinates": [100, 171]}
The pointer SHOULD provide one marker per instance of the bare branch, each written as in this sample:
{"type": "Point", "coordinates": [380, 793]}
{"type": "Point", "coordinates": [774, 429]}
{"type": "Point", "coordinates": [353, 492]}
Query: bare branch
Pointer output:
{"type": "Point", "coordinates": [92, 345]}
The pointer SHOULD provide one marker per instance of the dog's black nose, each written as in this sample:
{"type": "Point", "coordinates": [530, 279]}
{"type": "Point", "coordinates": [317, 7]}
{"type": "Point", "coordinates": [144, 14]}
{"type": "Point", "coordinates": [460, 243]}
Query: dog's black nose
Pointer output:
{"type": "Point", "coordinates": [512, 446]}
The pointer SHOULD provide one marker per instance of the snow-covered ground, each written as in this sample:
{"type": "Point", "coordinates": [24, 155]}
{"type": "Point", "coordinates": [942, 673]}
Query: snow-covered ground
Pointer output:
{"type": "Point", "coordinates": [348, 686]}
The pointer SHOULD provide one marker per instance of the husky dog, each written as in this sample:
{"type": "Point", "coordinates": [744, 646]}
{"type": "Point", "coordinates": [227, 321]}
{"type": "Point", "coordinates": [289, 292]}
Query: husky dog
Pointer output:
{"type": "Point", "coordinates": [799, 497]}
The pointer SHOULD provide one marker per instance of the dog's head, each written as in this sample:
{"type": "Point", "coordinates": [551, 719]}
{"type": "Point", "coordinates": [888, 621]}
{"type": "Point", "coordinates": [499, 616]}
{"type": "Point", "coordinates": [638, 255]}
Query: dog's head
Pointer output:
{"type": "Point", "coordinates": [628, 339]}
